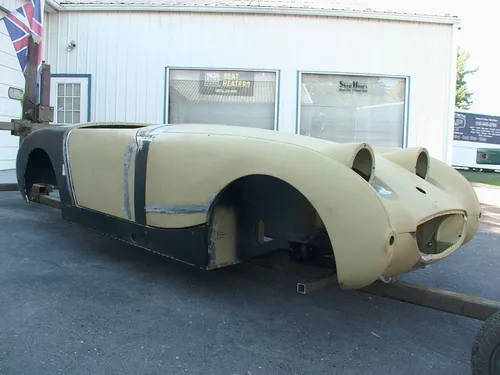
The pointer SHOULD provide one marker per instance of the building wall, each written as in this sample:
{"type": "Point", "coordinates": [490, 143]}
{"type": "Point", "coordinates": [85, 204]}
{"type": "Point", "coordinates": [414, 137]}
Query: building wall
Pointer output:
{"type": "Point", "coordinates": [10, 76]}
{"type": "Point", "coordinates": [126, 54]}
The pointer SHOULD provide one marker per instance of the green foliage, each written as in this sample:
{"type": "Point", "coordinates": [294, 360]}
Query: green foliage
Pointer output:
{"type": "Point", "coordinates": [463, 97]}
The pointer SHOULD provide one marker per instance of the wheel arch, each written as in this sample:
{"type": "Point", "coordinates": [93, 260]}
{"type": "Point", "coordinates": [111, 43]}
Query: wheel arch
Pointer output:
{"type": "Point", "coordinates": [267, 192]}
{"type": "Point", "coordinates": [39, 168]}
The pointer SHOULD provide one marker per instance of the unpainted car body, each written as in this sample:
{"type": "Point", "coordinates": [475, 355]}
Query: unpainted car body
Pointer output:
{"type": "Point", "coordinates": [214, 195]}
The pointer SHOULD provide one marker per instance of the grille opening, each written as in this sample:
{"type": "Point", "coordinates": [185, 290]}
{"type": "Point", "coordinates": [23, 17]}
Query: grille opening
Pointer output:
{"type": "Point", "coordinates": [439, 234]}
{"type": "Point", "coordinates": [363, 164]}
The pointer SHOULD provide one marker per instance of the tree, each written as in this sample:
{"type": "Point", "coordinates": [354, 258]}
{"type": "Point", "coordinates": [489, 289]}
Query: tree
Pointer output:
{"type": "Point", "coordinates": [463, 97]}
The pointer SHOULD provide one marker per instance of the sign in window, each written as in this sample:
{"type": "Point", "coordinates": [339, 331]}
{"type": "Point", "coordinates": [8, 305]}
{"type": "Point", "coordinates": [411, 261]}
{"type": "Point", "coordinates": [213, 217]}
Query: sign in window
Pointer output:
{"type": "Point", "coordinates": [353, 108]}
{"type": "Point", "coordinates": [226, 97]}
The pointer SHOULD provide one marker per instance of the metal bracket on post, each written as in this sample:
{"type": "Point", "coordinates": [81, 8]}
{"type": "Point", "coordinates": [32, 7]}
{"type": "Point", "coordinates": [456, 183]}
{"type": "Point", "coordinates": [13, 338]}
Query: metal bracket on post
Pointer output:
{"type": "Point", "coordinates": [34, 116]}
{"type": "Point", "coordinates": [44, 112]}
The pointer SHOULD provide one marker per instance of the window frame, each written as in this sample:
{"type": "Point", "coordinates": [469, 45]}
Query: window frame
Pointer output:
{"type": "Point", "coordinates": [407, 80]}
{"type": "Point", "coordinates": [84, 80]}
{"type": "Point", "coordinates": [277, 73]}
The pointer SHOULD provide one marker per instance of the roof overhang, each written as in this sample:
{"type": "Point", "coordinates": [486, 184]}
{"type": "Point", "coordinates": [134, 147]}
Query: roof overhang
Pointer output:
{"type": "Point", "coordinates": [249, 9]}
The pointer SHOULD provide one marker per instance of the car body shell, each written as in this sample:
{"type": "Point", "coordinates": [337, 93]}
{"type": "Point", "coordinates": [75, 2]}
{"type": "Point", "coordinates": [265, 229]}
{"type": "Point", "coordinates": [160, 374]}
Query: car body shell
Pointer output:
{"type": "Point", "coordinates": [160, 187]}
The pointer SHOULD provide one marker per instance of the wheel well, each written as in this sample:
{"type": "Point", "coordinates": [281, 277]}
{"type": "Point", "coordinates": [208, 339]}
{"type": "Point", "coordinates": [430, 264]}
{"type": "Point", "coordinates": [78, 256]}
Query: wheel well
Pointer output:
{"type": "Point", "coordinates": [268, 214]}
{"type": "Point", "coordinates": [39, 170]}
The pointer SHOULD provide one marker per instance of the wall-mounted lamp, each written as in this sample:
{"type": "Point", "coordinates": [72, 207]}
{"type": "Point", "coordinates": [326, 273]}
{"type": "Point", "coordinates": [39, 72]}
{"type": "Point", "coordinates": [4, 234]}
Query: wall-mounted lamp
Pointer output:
{"type": "Point", "coordinates": [71, 45]}
{"type": "Point", "coordinates": [15, 93]}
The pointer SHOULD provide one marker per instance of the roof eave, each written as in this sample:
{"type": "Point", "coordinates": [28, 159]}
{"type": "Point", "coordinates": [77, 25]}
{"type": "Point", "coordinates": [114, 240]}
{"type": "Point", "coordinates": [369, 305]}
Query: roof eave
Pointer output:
{"type": "Point", "coordinates": [52, 6]}
{"type": "Point", "coordinates": [389, 16]}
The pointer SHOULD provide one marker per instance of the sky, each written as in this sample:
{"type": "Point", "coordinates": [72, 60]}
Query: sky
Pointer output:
{"type": "Point", "coordinates": [480, 36]}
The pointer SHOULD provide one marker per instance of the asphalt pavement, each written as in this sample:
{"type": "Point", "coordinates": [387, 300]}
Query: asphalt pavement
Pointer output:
{"type": "Point", "coordinates": [76, 302]}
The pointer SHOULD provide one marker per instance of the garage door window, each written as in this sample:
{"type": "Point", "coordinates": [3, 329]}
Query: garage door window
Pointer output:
{"type": "Point", "coordinates": [354, 108]}
{"type": "Point", "coordinates": [229, 97]}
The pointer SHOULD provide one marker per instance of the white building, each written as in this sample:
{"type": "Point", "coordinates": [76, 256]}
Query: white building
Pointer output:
{"type": "Point", "coordinates": [320, 69]}
{"type": "Point", "coordinates": [11, 82]}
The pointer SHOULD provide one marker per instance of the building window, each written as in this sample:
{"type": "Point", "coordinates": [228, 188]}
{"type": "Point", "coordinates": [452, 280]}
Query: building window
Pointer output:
{"type": "Point", "coordinates": [353, 108]}
{"type": "Point", "coordinates": [68, 103]}
{"type": "Point", "coordinates": [227, 97]}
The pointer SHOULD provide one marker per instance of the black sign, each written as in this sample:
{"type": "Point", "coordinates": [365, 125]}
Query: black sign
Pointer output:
{"type": "Point", "coordinates": [227, 82]}
{"type": "Point", "coordinates": [353, 86]}
{"type": "Point", "coordinates": [471, 127]}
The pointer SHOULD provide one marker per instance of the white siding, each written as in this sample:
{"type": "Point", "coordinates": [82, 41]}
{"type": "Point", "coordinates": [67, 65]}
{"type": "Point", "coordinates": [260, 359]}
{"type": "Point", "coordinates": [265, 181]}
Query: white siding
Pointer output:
{"type": "Point", "coordinates": [10, 76]}
{"type": "Point", "coordinates": [126, 54]}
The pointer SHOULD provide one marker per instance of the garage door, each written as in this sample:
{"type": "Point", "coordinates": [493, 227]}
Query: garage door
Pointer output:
{"type": "Point", "coordinates": [11, 80]}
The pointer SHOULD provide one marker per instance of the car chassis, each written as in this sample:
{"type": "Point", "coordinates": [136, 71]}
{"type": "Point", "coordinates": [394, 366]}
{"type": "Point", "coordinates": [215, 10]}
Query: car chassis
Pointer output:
{"type": "Point", "coordinates": [485, 353]}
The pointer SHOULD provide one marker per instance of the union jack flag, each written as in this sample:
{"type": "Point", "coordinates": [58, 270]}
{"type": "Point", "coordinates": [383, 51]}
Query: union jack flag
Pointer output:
{"type": "Point", "coordinates": [23, 22]}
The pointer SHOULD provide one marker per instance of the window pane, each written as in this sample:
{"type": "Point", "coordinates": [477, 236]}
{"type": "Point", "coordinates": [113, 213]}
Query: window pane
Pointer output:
{"type": "Point", "coordinates": [76, 89]}
{"type": "Point", "coordinates": [60, 104]}
{"type": "Point", "coordinates": [68, 104]}
{"type": "Point", "coordinates": [241, 98]}
{"type": "Point", "coordinates": [76, 117]}
{"type": "Point", "coordinates": [60, 117]}
{"type": "Point", "coordinates": [76, 103]}
{"type": "Point", "coordinates": [353, 108]}
{"type": "Point", "coordinates": [60, 89]}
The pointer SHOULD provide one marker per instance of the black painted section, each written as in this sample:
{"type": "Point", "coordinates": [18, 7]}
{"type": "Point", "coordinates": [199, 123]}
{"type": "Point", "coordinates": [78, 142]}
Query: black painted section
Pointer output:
{"type": "Point", "coordinates": [141, 163]}
{"type": "Point", "coordinates": [187, 244]}
{"type": "Point", "coordinates": [49, 139]}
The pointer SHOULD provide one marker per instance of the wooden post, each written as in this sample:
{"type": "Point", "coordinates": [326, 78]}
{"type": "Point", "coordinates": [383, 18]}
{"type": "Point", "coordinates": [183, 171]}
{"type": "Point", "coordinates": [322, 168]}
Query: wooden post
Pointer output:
{"type": "Point", "coordinates": [45, 85]}
{"type": "Point", "coordinates": [30, 75]}
{"type": "Point", "coordinates": [29, 101]}
{"type": "Point", "coordinates": [34, 116]}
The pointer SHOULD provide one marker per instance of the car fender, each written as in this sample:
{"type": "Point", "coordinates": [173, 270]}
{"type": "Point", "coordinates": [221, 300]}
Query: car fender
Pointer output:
{"type": "Point", "coordinates": [48, 141]}
{"type": "Point", "coordinates": [189, 171]}
{"type": "Point", "coordinates": [442, 176]}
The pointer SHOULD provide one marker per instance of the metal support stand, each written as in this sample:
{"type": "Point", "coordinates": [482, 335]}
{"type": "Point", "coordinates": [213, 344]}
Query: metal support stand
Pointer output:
{"type": "Point", "coordinates": [315, 278]}
{"type": "Point", "coordinates": [40, 194]}
{"type": "Point", "coordinates": [9, 187]}
{"type": "Point", "coordinates": [34, 116]}
{"type": "Point", "coordinates": [311, 286]}
{"type": "Point", "coordinates": [437, 299]}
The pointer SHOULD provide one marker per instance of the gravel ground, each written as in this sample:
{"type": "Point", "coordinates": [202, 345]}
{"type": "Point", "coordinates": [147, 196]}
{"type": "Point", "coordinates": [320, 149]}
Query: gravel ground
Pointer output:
{"type": "Point", "coordinates": [75, 302]}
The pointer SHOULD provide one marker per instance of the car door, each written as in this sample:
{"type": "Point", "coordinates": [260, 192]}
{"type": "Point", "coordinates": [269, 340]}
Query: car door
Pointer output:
{"type": "Point", "coordinates": [101, 168]}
